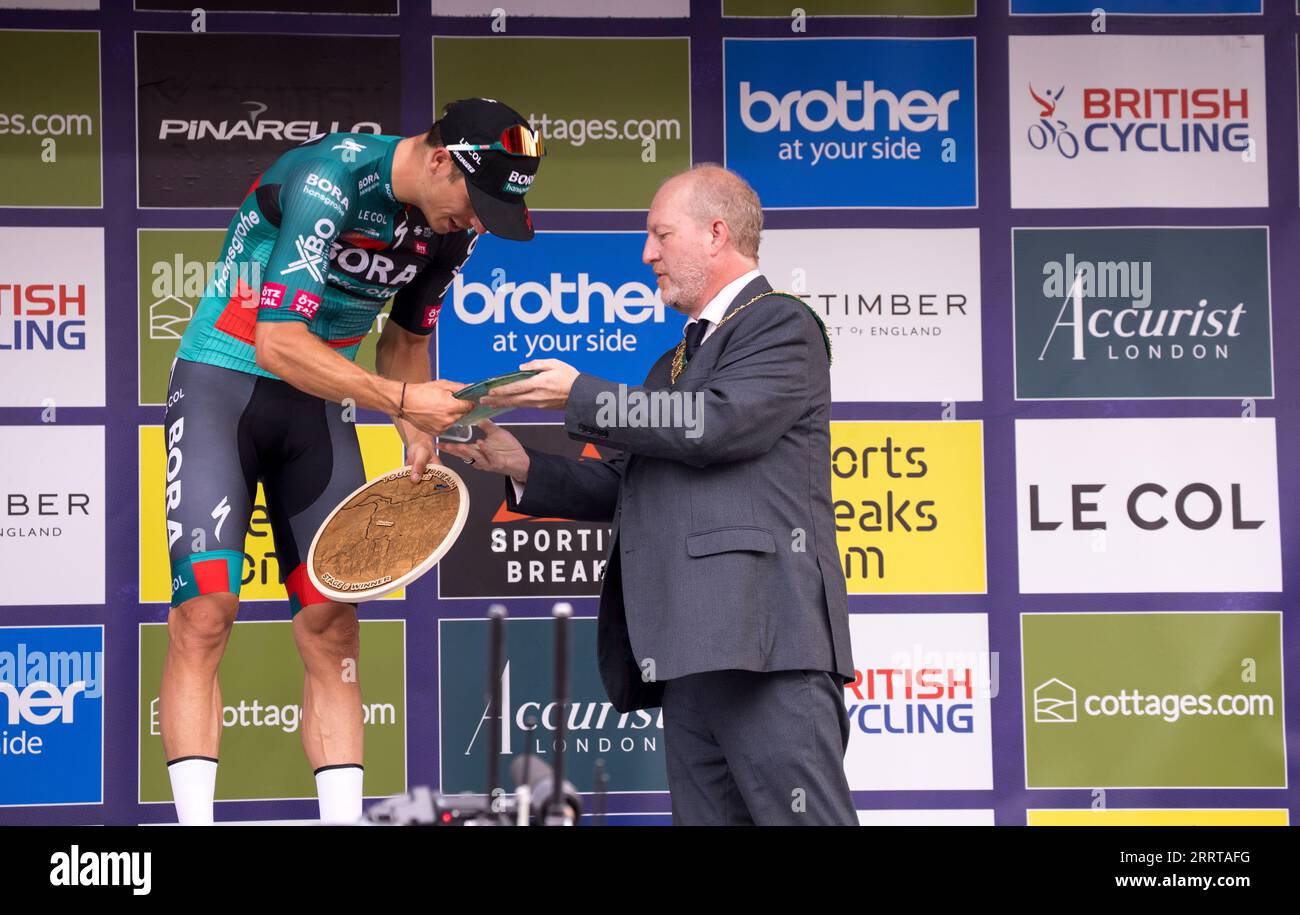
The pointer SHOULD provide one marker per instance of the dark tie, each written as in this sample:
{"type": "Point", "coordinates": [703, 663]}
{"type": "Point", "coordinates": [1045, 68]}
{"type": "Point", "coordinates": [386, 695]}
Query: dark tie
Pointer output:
{"type": "Point", "coordinates": [694, 337]}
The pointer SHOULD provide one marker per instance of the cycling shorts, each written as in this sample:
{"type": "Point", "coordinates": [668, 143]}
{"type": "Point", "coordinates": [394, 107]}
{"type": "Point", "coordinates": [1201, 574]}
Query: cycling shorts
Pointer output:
{"type": "Point", "coordinates": [224, 432]}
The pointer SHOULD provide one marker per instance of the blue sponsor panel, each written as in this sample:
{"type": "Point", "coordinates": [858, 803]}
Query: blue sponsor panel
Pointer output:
{"type": "Point", "coordinates": [1140, 7]}
{"type": "Point", "coordinates": [853, 122]}
{"type": "Point", "coordinates": [51, 715]}
{"type": "Point", "coordinates": [582, 297]}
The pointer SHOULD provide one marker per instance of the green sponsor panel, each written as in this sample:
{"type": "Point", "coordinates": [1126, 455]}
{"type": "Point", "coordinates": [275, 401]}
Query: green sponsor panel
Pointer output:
{"type": "Point", "coordinates": [49, 119]}
{"type": "Point", "coordinates": [175, 267]}
{"type": "Point", "coordinates": [783, 8]}
{"type": "Point", "coordinates": [261, 687]}
{"type": "Point", "coordinates": [607, 149]}
{"type": "Point", "coordinates": [1153, 700]}
{"type": "Point", "coordinates": [631, 745]}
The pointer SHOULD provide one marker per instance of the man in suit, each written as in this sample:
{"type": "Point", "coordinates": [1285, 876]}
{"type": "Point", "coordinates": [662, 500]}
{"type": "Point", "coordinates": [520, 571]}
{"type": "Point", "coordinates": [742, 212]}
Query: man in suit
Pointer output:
{"type": "Point", "coordinates": [723, 599]}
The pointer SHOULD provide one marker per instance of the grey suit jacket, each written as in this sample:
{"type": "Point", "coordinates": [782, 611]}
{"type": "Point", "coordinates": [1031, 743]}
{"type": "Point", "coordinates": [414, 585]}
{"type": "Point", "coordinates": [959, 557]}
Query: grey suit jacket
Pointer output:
{"type": "Point", "coordinates": [723, 554]}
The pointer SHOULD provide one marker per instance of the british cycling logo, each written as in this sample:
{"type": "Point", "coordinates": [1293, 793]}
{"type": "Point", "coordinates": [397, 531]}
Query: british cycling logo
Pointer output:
{"type": "Point", "coordinates": [1144, 119]}
{"type": "Point", "coordinates": [1049, 129]}
{"type": "Point", "coordinates": [46, 316]}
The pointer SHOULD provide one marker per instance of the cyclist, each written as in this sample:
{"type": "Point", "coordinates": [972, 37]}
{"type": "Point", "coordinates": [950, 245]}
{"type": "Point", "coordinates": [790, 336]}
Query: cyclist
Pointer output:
{"type": "Point", "coordinates": [264, 386]}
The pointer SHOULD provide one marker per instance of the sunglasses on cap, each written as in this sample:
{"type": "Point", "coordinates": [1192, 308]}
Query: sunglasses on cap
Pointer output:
{"type": "Point", "coordinates": [516, 140]}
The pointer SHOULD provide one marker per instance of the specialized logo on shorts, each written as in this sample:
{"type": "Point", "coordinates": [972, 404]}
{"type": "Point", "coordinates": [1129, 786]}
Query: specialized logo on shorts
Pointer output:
{"type": "Point", "coordinates": [304, 303]}
{"type": "Point", "coordinates": [311, 251]}
{"type": "Point", "coordinates": [1153, 700]}
{"type": "Point", "coordinates": [272, 295]}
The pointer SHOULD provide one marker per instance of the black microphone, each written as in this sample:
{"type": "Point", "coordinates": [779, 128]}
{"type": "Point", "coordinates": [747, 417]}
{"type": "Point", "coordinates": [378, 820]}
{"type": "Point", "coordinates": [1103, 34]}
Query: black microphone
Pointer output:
{"type": "Point", "coordinates": [496, 660]}
{"type": "Point", "coordinates": [561, 612]}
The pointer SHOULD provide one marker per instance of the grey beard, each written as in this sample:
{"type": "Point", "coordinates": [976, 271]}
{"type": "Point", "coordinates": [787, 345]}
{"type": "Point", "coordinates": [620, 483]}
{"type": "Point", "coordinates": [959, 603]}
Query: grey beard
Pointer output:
{"type": "Point", "coordinates": [687, 293]}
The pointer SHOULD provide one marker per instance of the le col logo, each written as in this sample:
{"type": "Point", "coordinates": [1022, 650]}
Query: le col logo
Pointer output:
{"type": "Point", "coordinates": [103, 868]}
{"type": "Point", "coordinates": [817, 110]}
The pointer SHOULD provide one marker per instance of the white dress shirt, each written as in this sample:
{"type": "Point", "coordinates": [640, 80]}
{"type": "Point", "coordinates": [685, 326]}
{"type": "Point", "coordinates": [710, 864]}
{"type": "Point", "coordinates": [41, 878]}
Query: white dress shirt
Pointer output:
{"type": "Point", "coordinates": [713, 312]}
{"type": "Point", "coordinates": [716, 310]}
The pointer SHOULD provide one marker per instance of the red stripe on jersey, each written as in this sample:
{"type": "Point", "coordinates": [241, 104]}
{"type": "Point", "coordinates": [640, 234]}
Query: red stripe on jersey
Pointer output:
{"type": "Point", "coordinates": [341, 344]}
{"type": "Point", "coordinates": [239, 317]}
{"type": "Point", "coordinates": [363, 241]}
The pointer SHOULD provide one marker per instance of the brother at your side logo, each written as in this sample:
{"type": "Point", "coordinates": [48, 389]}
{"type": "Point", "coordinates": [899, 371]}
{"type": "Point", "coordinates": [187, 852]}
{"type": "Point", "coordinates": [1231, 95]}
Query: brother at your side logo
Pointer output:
{"type": "Point", "coordinates": [863, 122]}
{"type": "Point", "coordinates": [51, 715]}
{"type": "Point", "coordinates": [76, 867]}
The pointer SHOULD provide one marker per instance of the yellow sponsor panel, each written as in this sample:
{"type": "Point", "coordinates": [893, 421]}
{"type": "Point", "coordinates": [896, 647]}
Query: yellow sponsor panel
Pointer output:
{"type": "Point", "coordinates": [381, 451]}
{"type": "Point", "coordinates": [909, 506]}
{"type": "Point", "coordinates": [1112, 817]}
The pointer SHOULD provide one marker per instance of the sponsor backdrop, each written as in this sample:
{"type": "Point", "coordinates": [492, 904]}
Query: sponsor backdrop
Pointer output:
{"type": "Point", "coordinates": [1054, 252]}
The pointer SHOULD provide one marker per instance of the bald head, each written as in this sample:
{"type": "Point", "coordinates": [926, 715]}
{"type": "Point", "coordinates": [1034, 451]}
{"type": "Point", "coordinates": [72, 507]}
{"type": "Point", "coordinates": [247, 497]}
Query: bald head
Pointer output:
{"type": "Point", "coordinates": [701, 233]}
{"type": "Point", "coordinates": [710, 192]}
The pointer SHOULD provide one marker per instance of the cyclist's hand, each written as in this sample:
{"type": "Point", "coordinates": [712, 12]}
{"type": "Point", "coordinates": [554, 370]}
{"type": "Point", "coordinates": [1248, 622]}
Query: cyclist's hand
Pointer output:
{"type": "Point", "coordinates": [430, 407]}
{"type": "Point", "coordinates": [420, 454]}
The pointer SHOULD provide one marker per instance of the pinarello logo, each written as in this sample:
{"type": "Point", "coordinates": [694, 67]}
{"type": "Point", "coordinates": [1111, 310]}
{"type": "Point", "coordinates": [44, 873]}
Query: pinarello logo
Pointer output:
{"type": "Point", "coordinates": [304, 303]}
{"type": "Point", "coordinates": [272, 296]}
{"type": "Point", "coordinates": [430, 315]}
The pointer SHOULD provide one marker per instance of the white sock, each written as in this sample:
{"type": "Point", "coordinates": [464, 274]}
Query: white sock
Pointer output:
{"type": "Point", "coordinates": [194, 782]}
{"type": "Point", "coordinates": [339, 791]}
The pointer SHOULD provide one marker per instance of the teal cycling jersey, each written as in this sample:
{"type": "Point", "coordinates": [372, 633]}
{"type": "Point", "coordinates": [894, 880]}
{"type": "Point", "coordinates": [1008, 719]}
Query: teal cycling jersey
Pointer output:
{"type": "Point", "coordinates": [321, 239]}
